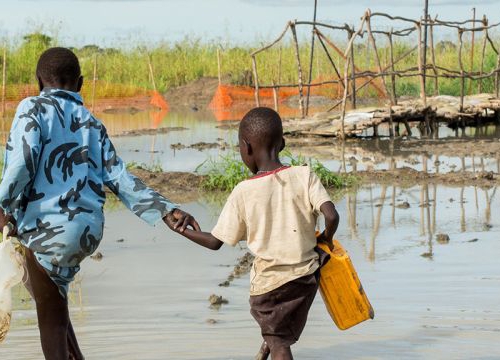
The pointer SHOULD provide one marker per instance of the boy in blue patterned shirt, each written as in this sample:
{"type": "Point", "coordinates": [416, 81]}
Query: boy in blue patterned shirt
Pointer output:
{"type": "Point", "coordinates": [58, 159]}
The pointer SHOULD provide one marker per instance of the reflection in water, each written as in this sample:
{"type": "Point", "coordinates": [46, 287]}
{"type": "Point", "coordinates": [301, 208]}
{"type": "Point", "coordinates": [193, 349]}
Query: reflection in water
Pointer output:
{"type": "Point", "coordinates": [416, 213]}
{"type": "Point", "coordinates": [147, 298]}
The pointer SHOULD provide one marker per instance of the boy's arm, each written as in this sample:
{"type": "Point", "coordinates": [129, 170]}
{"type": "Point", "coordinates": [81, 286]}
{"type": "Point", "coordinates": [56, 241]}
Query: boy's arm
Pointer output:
{"type": "Point", "coordinates": [199, 237]}
{"type": "Point", "coordinates": [22, 154]}
{"type": "Point", "coordinates": [143, 201]}
{"type": "Point", "coordinates": [331, 222]}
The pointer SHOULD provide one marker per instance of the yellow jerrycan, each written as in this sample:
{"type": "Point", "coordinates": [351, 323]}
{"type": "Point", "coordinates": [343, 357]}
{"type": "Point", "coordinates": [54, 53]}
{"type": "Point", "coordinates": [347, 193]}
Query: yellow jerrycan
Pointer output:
{"type": "Point", "coordinates": [341, 289]}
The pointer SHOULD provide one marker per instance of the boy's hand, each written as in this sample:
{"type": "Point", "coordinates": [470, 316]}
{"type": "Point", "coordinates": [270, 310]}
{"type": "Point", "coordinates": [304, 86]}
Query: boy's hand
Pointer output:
{"type": "Point", "coordinates": [324, 239]}
{"type": "Point", "coordinates": [178, 220]}
{"type": "Point", "coordinates": [4, 220]}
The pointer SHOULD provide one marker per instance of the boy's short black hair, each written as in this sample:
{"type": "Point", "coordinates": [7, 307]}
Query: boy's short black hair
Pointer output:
{"type": "Point", "coordinates": [58, 66]}
{"type": "Point", "coordinates": [262, 125]}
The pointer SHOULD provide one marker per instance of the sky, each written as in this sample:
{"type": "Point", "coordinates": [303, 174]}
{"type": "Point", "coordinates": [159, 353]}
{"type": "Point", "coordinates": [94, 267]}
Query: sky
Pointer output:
{"type": "Point", "coordinates": [122, 22]}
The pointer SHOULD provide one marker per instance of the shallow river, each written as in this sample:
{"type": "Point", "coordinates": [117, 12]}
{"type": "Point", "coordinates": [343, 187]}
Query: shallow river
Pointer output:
{"type": "Point", "coordinates": [148, 297]}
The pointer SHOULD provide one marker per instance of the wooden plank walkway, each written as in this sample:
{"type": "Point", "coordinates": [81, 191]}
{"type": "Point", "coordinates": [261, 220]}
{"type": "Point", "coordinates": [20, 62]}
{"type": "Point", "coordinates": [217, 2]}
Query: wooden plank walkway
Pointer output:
{"type": "Point", "coordinates": [477, 110]}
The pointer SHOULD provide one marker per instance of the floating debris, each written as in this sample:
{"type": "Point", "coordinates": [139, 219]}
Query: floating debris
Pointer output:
{"type": "Point", "coordinates": [487, 226]}
{"type": "Point", "coordinates": [488, 175]}
{"type": "Point", "coordinates": [97, 256]}
{"type": "Point", "coordinates": [241, 268]}
{"type": "Point", "coordinates": [403, 205]}
{"type": "Point", "coordinates": [216, 301]}
{"type": "Point", "coordinates": [200, 146]}
{"type": "Point", "coordinates": [443, 238]}
{"type": "Point", "coordinates": [211, 321]}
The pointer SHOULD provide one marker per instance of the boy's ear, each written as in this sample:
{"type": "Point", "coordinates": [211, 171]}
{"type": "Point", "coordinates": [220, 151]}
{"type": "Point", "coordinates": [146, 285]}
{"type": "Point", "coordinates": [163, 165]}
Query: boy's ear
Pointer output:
{"type": "Point", "coordinates": [248, 147]}
{"type": "Point", "coordinates": [282, 144]}
{"type": "Point", "coordinates": [79, 84]}
{"type": "Point", "coordinates": [40, 83]}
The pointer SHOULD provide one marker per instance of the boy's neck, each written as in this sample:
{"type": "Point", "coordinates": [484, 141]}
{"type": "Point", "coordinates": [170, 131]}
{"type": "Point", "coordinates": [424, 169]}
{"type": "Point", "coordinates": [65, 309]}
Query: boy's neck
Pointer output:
{"type": "Point", "coordinates": [269, 165]}
{"type": "Point", "coordinates": [66, 88]}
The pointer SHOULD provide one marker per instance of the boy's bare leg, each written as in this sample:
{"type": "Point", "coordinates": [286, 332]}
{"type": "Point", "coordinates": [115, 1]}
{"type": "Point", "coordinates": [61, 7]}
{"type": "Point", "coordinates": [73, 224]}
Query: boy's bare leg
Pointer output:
{"type": "Point", "coordinates": [281, 353]}
{"type": "Point", "coordinates": [264, 352]}
{"type": "Point", "coordinates": [74, 350]}
{"type": "Point", "coordinates": [52, 311]}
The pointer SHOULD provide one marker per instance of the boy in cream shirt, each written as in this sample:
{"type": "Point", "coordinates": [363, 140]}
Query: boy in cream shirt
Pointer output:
{"type": "Point", "coordinates": [276, 212]}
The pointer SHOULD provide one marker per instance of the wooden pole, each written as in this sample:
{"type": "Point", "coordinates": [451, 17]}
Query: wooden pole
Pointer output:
{"type": "Point", "coordinates": [497, 78]}
{"type": "Point", "coordinates": [426, 17]}
{"type": "Point", "coordinates": [472, 47]}
{"type": "Point", "coordinates": [94, 80]}
{"type": "Point", "coordinates": [353, 77]}
{"type": "Point", "coordinates": [346, 72]}
{"type": "Point", "coordinates": [421, 71]}
{"type": "Point", "coordinates": [299, 69]}
{"type": "Point", "coordinates": [151, 72]}
{"type": "Point", "coordinates": [255, 81]}
{"type": "Point", "coordinates": [483, 51]}
{"type": "Point", "coordinates": [462, 76]}
{"type": "Point", "coordinates": [275, 97]}
{"type": "Point", "coordinates": [219, 66]}
{"type": "Point", "coordinates": [4, 78]}
{"type": "Point", "coordinates": [380, 71]}
{"type": "Point", "coordinates": [393, 75]}
{"type": "Point", "coordinates": [329, 57]}
{"type": "Point", "coordinates": [279, 66]}
{"type": "Point", "coordinates": [433, 58]}
{"type": "Point", "coordinates": [344, 97]}
{"type": "Point", "coordinates": [312, 57]}
{"type": "Point", "coordinates": [377, 57]}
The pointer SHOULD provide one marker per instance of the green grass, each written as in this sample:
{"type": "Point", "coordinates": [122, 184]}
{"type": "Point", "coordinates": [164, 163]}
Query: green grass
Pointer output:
{"type": "Point", "coordinates": [224, 173]}
{"type": "Point", "coordinates": [124, 71]}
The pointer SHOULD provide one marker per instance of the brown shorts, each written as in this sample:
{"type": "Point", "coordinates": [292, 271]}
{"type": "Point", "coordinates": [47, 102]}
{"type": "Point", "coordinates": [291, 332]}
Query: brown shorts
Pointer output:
{"type": "Point", "coordinates": [282, 312]}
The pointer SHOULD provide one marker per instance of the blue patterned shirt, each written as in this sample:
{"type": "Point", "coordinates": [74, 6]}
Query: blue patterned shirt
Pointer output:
{"type": "Point", "coordinates": [58, 158]}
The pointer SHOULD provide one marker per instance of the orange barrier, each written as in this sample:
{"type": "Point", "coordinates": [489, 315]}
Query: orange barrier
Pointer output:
{"type": "Point", "coordinates": [228, 95]}
{"type": "Point", "coordinates": [231, 102]}
{"type": "Point", "coordinates": [159, 101]}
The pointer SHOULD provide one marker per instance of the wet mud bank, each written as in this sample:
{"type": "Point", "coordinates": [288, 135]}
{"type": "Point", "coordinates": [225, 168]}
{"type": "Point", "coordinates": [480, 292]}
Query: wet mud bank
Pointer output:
{"type": "Point", "coordinates": [183, 187]}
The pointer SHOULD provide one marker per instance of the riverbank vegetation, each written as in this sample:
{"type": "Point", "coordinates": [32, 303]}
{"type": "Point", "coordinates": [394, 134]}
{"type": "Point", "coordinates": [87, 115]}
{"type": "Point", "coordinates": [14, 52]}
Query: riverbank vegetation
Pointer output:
{"type": "Point", "coordinates": [123, 72]}
{"type": "Point", "coordinates": [225, 172]}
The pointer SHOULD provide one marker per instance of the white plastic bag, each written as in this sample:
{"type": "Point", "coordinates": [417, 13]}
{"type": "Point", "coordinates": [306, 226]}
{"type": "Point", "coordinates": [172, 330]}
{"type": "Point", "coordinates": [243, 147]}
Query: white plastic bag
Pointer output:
{"type": "Point", "coordinates": [11, 273]}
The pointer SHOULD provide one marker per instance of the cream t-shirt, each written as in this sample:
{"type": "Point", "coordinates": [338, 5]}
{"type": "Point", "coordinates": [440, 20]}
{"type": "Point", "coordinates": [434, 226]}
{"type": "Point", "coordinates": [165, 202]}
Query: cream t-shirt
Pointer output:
{"type": "Point", "coordinates": [277, 214]}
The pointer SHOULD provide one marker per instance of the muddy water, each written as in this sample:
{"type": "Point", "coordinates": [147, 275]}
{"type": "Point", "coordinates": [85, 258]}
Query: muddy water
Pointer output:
{"type": "Point", "coordinates": [163, 150]}
{"type": "Point", "coordinates": [429, 155]}
{"type": "Point", "coordinates": [148, 296]}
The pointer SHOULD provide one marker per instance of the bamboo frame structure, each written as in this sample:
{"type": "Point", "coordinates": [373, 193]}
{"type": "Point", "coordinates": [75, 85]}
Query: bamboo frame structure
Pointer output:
{"type": "Point", "coordinates": [348, 80]}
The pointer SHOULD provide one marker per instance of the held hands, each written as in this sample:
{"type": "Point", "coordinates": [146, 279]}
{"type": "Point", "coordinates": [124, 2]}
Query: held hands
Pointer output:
{"type": "Point", "coordinates": [178, 221]}
{"type": "Point", "coordinates": [6, 219]}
